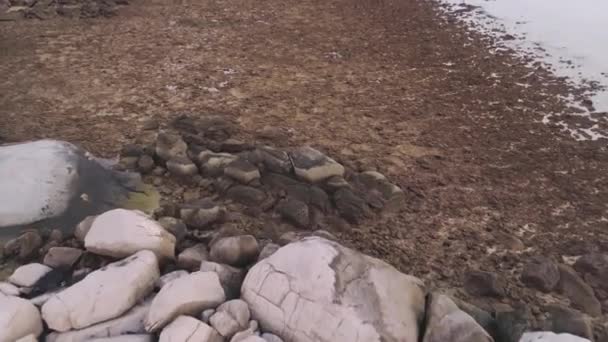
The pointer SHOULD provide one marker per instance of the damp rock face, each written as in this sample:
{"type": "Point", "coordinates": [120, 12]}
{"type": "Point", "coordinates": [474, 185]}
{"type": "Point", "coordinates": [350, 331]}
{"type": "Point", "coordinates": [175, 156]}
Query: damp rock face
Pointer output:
{"type": "Point", "coordinates": [316, 280]}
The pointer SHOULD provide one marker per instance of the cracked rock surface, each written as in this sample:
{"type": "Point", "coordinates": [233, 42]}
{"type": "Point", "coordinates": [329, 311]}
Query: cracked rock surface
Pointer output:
{"type": "Point", "coordinates": [188, 329]}
{"type": "Point", "coordinates": [317, 290]}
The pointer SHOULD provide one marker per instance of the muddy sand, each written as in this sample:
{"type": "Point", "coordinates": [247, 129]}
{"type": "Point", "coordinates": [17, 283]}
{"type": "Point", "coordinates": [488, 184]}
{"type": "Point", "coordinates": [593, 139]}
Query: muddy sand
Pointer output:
{"type": "Point", "coordinates": [394, 86]}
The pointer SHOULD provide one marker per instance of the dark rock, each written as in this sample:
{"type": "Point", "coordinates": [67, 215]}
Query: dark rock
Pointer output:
{"type": "Point", "coordinates": [56, 235]}
{"type": "Point", "coordinates": [214, 127]}
{"type": "Point", "coordinates": [128, 163]}
{"type": "Point", "coordinates": [246, 195]}
{"type": "Point", "coordinates": [594, 263]}
{"type": "Point", "coordinates": [235, 250]}
{"type": "Point", "coordinates": [25, 246]}
{"type": "Point", "coordinates": [212, 164]}
{"type": "Point", "coordinates": [191, 258]}
{"type": "Point", "coordinates": [56, 278]}
{"type": "Point", "coordinates": [268, 250]}
{"type": "Point", "coordinates": [540, 273]}
{"type": "Point", "coordinates": [313, 166]}
{"type": "Point", "coordinates": [242, 170]}
{"type": "Point", "coordinates": [485, 284]}
{"type": "Point", "coordinates": [201, 214]}
{"type": "Point", "coordinates": [174, 226]}
{"type": "Point", "coordinates": [325, 234]}
{"type": "Point", "coordinates": [482, 317]}
{"type": "Point", "coordinates": [231, 278]}
{"type": "Point", "coordinates": [350, 206]}
{"type": "Point", "coordinates": [159, 171]}
{"type": "Point", "coordinates": [294, 211]}
{"type": "Point", "coordinates": [275, 160]}
{"type": "Point", "coordinates": [182, 167]}
{"type": "Point", "coordinates": [378, 191]}
{"type": "Point", "coordinates": [335, 183]}
{"type": "Point", "coordinates": [145, 164]}
{"type": "Point", "coordinates": [62, 257]}
{"type": "Point", "coordinates": [83, 228]}
{"type": "Point", "coordinates": [580, 294]}
{"type": "Point", "coordinates": [235, 146]}
{"type": "Point", "coordinates": [151, 123]}
{"type": "Point", "coordinates": [169, 146]}
{"type": "Point", "coordinates": [565, 320]}
{"type": "Point", "coordinates": [511, 324]}
{"type": "Point", "coordinates": [223, 184]}
{"type": "Point", "coordinates": [131, 150]}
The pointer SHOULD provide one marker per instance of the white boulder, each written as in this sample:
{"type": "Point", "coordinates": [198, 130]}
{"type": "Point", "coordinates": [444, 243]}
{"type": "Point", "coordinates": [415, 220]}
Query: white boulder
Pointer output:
{"type": "Point", "coordinates": [169, 277]}
{"type": "Point", "coordinates": [125, 338]}
{"type": "Point", "coordinates": [28, 275]}
{"type": "Point", "coordinates": [18, 318]}
{"type": "Point", "coordinates": [231, 317]}
{"type": "Point", "coordinates": [187, 295]}
{"type": "Point", "coordinates": [188, 329]}
{"type": "Point", "coordinates": [119, 233]}
{"type": "Point", "coordinates": [316, 290]}
{"type": "Point", "coordinates": [8, 289]}
{"type": "Point", "coordinates": [104, 294]}
{"type": "Point", "coordinates": [546, 336]}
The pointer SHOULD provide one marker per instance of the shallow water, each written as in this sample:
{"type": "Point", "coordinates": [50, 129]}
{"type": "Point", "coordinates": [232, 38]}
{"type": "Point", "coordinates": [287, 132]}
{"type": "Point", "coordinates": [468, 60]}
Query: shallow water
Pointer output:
{"type": "Point", "coordinates": [571, 36]}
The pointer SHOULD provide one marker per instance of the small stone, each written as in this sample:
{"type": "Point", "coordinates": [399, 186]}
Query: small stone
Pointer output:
{"type": "Point", "coordinates": [242, 336]}
{"type": "Point", "coordinates": [246, 195]}
{"type": "Point", "coordinates": [131, 150]}
{"type": "Point", "coordinates": [231, 317]}
{"type": "Point", "coordinates": [268, 337]}
{"type": "Point", "coordinates": [540, 273]}
{"type": "Point", "coordinates": [128, 163]}
{"type": "Point", "coordinates": [28, 275]}
{"type": "Point", "coordinates": [191, 258]}
{"type": "Point", "coordinates": [235, 146]}
{"type": "Point", "coordinates": [242, 170]}
{"type": "Point", "coordinates": [56, 235]}
{"type": "Point", "coordinates": [18, 318]}
{"type": "Point", "coordinates": [206, 315]}
{"type": "Point", "coordinates": [275, 160]}
{"type": "Point", "coordinates": [313, 166]}
{"type": "Point", "coordinates": [149, 124]}
{"type": "Point", "coordinates": [295, 212]}
{"type": "Point", "coordinates": [145, 164]}
{"type": "Point", "coordinates": [182, 167]}
{"type": "Point", "coordinates": [169, 145]}
{"type": "Point", "coordinates": [268, 250]}
{"type": "Point", "coordinates": [201, 214]}
{"type": "Point", "coordinates": [580, 294]}
{"type": "Point", "coordinates": [235, 250]}
{"type": "Point", "coordinates": [231, 278]}
{"type": "Point", "coordinates": [511, 324]}
{"type": "Point", "coordinates": [25, 246]}
{"type": "Point", "coordinates": [62, 256]}
{"type": "Point", "coordinates": [169, 277]}
{"type": "Point", "coordinates": [350, 206]}
{"type": "Point", "coordinates": [173, 226]}
{"type": "Point", "coordinates": [185, 329]}
{"type": "Point", "coordinates": [478, 283]}
{"type": "Point", "coordinates": [83, 228]}
{"type": "Point", "coordinates": [8, 289]}
{"type": "Point", "coordinates": [186, 295]}
{"type": "Point", "coordinates": [565, 320]}
{"type": "Point", "coordinates": [213, 164]}
{"type": "Point", "coordinates": [335, 183]}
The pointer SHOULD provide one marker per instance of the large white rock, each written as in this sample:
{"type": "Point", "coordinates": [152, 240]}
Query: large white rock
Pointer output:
{"type": "Point", "coordinates": [8, 289]}
{"type": "Point", "coordinates": [316, 290]}
{"type": "Point", "coordinates": [119, 233]}
{"type": "Point", "coordinates": [37, 179]}
{"type": "Point", "coordinates": [18, 318]}
{"type": "Point", "coordinates": [446, 322]}
{"type": "Point", "coordinates": [104, 294]}
{"type": "Point", "coordinates": [546, 336]}
{"type": "Point", "coordinates": [188, 329]}
{"type": "Point", "coordinates": [125, 338]}
{"type": "Point", "coordinates": [231, 317]}
{"type": "Point", "coordinates": [28, 275]}
{"type": "Point", "coordinates": [131, 322]}
{"type": "Point", "coordinates": [187, 295]}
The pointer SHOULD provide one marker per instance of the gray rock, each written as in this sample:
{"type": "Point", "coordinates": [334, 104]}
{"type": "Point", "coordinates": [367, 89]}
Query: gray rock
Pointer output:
{"type": "Point", "coordinates": [379, 192]}
{"type": "Point", "coordinates": [191, 258]}
{"type": "Point", "coordinates": [540, 273]}
{"type": "Point", "coordinates": [271, 337]}
{"type": "Point", "coordinates": [313, 166]}
{"type": "Point", "coordinates": [28, 275]}
{"type": "Point", "coordinates": [446, 322]}
{"type": "Point", "coordinates": [268, 250]}
{"type": "Point", "coordinates": [182, 167]}
{"type": "Point", "coordinates": [483, 318]}
{"type": "Point", "coordinates": [295, 212]}
{"type": "Point", "coordinates": [512, 324]}
{"type": "Point", "coordinates": [242, 170]}
{"type": "Point", "coordinates": [206, 315]}
{"type": "Point", "coordinates": [580, 293]}
{"type": "Point", "coordinates": [169, 145]}
{"type": "Point", "coordinates": [62, 256]}
{"type": "Point", "coordinates": [174, 226]}
{"type": "Point", "coordinates": [83, 228]}
{"type": "Point", "coordinates": [231, 278]}
{"type": "Point", "coordinates": [235, 146]}
{"type": "Point", "coordinates": [595, 264]}
{"type": "Point", "coordinates": [316, 280]}
{"type": "Point", "coordinates": [566, 320]}
{"type": "Point", "coordinates": [350, 205]}
{"type": "Point", "coordinates": [546, 336]}
{"type": "Point", "coordinates": [169, 277]}
{"type": "Point", "coordinates": [230, 318]}
{"type": "Point", "coordinates": [18, 318]}
{"type": "Point", "coordinates": [275, 160]}
{"type": "Point", "coordinates": [186, 295]}
{"type": "Point", "coordinates": [185, 329]}
{"type": "Point", "coordinates": [25, 246]}
{"type": "Point", "coordinates": [55, 236]}
{"type": "Point", "coordinates": [201, 214]}
{"type": "Point", "coordinates": [213, 164]}
{"type": "Point", "coordinates": [125, 338]}
{"type": "Point", "coordinates": [479, 283]}
{"type": "Point", "coordinates": [335, 183]}
{"type": "Point", "coordinates": [246, 195]}
{"type": "Point", "coordinates": [145, 164]}
{"type": "Point", "coordinates": [235, 250]}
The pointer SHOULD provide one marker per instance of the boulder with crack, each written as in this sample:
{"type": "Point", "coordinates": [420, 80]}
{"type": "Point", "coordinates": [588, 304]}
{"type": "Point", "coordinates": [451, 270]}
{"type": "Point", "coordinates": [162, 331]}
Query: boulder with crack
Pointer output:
{"type": "Point", "coordinates": [317, 290]}
{"type": "Point", "coordinates": [104, 294]}
{"type": "Point", "coordinates": [185, 328]}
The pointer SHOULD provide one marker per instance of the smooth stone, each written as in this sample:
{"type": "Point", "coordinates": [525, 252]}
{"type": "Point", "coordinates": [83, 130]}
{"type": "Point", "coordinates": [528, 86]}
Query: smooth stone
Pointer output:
{"type": "Point", "coordinates": [28, 275]}
{"type": "Point", "coordinates": [119, 233]}
{"type": "Point", "coordinates": [8, 289]}
{"type": "Point", "coordinates": [28, 338]}
{"type": "Point", "coordinates": [235, 250]}
{"type": "Point", "coordinates": [62, 256]}
{"type": "Point", "coordinates": [580, 293]}
{"type": "Point", "coordinates": [18, 318]}
{"type": "Point", "coordinates": [546, 336]}
{"type": "Point", "coordinates": [132, 322]}
{"type": "Point", "coordinates": [243, 335]}
{"type": "Point", "coordinates": [174, 226]}
{"type": "Point", "coordinates": [319, 291]}
{"type": "Point", "coordinates": [25, 246]}
{"type": "Point", "coordinates": [271, 337]}
{"type": "Point", "coordinates": [313, 166]}
{"type": "Point", "coordinates": [295, 212]}
{"type": "Point", "coordinates": [246, 195]}
{"type": "Point", "coordinates": [186, 295]}
{"type": "Point", "coordinates": [213, 164]}
{"type": "Point", "coordinates": [230, 277]}
{"type": "Point", "coordinates": [275, 160]}
{"type": "Point", "coordinates": [242, 170]}
{"type": "Point", "coordinates": [191, 258]}
{"type": "Point", "coordinates": [379, 192]}
{"type": "Point", "coordinates": [169, 277]}
{"type": "Point", "coordinates": [351, 206]}
{"type": "Point", "coordinates": [125, 338]}
{"type": "Point", "coordinates": [169, 145]}
{"type": "Point", "coordinates": [253, 338]}
{"type": "Point", "coordinates": [83, 227]}
{"type": "Point", "coordinates": [446, 322]}
{"type": "Point", "coordinates": [182, 167]}
{"type": "Point", "coordinates": [206, 315]}
{"type": "Point", "coordinates": [188, 329]}
{"type": "Point", "coordinates": [540, 273]}
{"type": "Point", "coordinates": [201, 214]}
{"type": "Point", "coordinates": [230, 317]}
{"type": "Point", "coordinates": [103, 294]}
